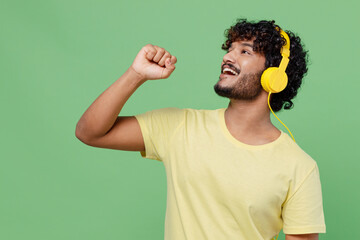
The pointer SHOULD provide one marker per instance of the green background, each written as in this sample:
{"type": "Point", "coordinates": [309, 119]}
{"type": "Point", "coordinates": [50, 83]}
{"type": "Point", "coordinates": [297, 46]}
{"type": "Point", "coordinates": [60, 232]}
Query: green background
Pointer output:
{"type": "Point", "coordinates": [57, 57]}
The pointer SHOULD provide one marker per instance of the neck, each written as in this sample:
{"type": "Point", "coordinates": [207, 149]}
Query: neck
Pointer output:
{"type": "Point", "coordinates": [250, 117]}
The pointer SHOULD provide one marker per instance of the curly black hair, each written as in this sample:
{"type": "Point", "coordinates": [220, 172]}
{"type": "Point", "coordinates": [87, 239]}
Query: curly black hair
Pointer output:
{"type": "Point", "coordinates": [268, 41]}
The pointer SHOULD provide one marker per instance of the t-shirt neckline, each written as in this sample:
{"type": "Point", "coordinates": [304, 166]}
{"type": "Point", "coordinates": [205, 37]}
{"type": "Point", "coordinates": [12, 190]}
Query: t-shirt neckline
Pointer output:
{"type": "Point", "coordinates": [232, 139]}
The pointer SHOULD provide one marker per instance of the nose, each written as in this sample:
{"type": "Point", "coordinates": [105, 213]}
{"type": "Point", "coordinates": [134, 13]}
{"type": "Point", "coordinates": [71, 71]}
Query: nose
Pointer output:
{"type": "Point", "coordinates": [228, 58]}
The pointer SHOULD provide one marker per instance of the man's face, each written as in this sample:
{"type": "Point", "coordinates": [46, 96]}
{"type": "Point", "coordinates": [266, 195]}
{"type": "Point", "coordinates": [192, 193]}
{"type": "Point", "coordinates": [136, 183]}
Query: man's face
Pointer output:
{"type": "Point", "coordinates": [248, 65]}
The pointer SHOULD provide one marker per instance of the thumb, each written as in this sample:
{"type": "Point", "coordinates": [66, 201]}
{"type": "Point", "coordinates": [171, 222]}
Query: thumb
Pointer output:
{"type": "Point", "coordinates": [169, 68]}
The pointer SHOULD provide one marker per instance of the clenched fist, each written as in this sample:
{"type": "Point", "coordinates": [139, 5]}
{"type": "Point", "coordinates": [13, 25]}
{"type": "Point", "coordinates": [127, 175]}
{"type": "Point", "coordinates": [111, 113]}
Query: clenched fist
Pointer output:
{"type": "Point", "coordinates": [153, 62]}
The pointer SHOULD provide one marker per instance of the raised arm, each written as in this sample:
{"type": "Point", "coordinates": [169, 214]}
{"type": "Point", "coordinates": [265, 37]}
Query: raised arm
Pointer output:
{"type": "Point", "coordinates": [100, 125]}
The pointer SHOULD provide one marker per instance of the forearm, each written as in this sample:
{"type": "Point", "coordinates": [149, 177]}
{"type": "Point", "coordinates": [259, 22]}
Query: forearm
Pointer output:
{"type": "Point", "coordinates": [103, 112]}
{"type": "Point", "coordinates": [311, 236]}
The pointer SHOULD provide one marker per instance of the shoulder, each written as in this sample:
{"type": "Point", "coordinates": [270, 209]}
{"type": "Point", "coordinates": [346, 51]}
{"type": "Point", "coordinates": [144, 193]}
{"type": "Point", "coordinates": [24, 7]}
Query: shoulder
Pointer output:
{"type": "Point", "coordinates": [167, 110]}
{"type": "Point", "coordinates": [163, 113]}
{"type": "Point", "coordinates": [197, 113]}
{"type": "Point", "coordinates": [295, 153]}
{"type": "Point", "coordinates": [175, 113]}
{"type": "Point", "coordinates": [295, 162]}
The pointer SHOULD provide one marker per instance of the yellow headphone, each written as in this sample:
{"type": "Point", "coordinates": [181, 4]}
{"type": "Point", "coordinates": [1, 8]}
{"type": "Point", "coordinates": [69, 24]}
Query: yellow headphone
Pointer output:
{"type": "Point", "coordinates": [274, 79]}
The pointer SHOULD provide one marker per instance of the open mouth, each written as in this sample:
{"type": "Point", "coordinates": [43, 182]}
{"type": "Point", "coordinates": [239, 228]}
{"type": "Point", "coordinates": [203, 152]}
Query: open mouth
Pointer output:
{"type": "Point", "coordinates": [228, 72]}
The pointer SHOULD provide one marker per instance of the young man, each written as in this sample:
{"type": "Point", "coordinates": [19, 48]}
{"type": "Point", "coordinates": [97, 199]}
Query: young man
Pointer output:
{"type": "Point", "coordinates": [231, 173]}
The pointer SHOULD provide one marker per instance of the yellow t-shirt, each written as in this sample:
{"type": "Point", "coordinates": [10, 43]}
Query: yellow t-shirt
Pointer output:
{"type": "Point", "coordinates": [221, 188]}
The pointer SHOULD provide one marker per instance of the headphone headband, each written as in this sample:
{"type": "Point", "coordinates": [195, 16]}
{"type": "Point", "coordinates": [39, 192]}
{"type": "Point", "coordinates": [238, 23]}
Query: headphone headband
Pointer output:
{"type": "Point", "coordinates": [274, 79]}
{"type": "Point", "coordinates": [285, 50]}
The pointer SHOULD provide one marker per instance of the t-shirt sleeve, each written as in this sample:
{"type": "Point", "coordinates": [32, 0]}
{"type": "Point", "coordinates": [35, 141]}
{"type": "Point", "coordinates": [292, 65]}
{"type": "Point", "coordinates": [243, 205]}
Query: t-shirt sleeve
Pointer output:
{"type": "Point", "coordinates": [157, 127]}
{"type": "Point", "coordinates": [303, 211]}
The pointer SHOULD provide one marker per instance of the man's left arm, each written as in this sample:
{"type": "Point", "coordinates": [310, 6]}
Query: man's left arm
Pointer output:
{"type": "Point", "coordinates": [302, 212]}
{"type": "Point", "coordinates": [312, 236]}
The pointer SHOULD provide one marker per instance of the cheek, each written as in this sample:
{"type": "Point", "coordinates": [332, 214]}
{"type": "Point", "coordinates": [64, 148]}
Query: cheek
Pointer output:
{"type": "Point", "coordinates": [248, 66]}
{"type": "Point", "coordinates": [255, 65]}
{"type": "Point", "coordinates": [261, 63]}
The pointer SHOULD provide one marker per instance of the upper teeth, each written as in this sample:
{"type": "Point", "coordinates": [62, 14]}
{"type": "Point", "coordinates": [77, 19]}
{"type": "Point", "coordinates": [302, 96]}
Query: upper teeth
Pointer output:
{"type": "Point", "coordinates": [230, 70]}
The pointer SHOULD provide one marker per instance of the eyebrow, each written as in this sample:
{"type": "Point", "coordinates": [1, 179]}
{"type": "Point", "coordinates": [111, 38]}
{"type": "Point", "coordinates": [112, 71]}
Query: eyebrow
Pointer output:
{"type": "Point", "coordinates": [244, 44]}
{"type": "Point", "coordinates": [247, 44]}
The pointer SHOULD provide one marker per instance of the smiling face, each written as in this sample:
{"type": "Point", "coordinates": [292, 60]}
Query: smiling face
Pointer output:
{"type": "Point", "coordinates": [247, 66]}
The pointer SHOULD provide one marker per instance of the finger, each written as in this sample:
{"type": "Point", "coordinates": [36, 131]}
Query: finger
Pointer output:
{"type": "Point", "coordinates": [169, 68]}
{"type": "Point", "coordinates": [162, 60]}
{"type": "Point", "coordinates": [159, 54]}
{"type": "Point", "coordinates": [173, 59]}
{"type": "Point", "coordinates": [150, 51]}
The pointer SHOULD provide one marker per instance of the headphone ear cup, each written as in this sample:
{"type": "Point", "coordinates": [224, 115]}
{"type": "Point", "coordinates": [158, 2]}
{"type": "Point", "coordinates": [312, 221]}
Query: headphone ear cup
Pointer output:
{"type": "Point", "coordinates": [273, 80]}
{"type": "Point", "coordinates": [265, 78]}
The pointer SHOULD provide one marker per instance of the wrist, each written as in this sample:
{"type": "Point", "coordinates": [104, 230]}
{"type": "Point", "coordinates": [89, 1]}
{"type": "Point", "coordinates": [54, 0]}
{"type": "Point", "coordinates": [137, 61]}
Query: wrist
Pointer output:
{"type": "Point", "coordinates": [135, 75]}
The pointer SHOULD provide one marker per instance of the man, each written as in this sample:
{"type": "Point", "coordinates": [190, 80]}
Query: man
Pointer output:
{"type": "Point", "coordinates": [231, 173]}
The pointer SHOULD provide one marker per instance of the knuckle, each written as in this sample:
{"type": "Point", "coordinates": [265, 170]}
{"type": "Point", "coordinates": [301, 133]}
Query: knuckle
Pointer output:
{"type": "Point", "coordinates": [161, 50]}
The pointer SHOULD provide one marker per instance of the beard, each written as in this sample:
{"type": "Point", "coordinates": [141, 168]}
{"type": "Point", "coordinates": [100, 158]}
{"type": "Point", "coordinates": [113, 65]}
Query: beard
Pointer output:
{"type": "Point", "coordinates": [247, 87]}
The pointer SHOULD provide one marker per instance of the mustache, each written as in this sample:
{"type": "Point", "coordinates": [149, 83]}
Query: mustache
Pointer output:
{"type": "Point", "coordinates": [230, 66]}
